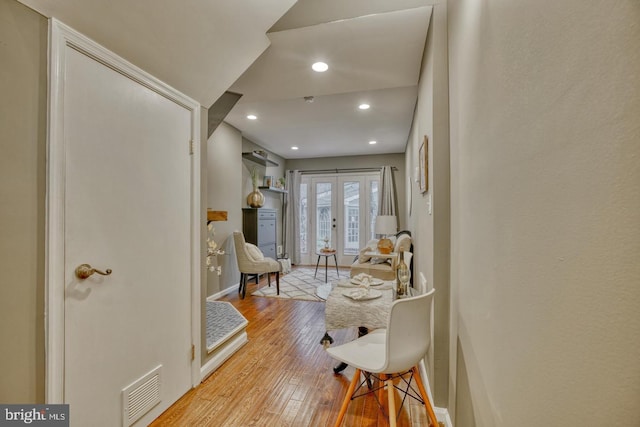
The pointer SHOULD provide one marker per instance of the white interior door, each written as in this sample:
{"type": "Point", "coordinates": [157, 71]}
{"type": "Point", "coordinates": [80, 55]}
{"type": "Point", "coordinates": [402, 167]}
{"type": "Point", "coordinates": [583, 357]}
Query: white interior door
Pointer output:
{"type": "Point", "coordinates": [127, 207]}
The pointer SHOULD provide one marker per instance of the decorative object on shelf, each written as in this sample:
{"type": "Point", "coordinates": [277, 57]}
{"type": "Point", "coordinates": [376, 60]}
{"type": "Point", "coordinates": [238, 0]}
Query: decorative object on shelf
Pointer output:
{"type": "Point", "coordinates": [212, 250]}
{"type": "Point", "coordinates": [255, 199]}
{"type": "Point", "coordinates": [386, 225]}
{"type": "Point", "coordinates": [281, 182]}
{"type": "Point", "coordinates": [268, 181]}
{"type": "Point", "coordinates": [261, 153]}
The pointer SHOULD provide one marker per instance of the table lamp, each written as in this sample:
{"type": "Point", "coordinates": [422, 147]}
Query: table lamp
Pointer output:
{"type": "Point", "coordinates": [386, 225]}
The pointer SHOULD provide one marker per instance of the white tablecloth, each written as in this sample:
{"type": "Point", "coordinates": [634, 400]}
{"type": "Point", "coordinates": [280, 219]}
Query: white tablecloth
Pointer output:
{"type": "Point", "coordinates": [343, 312]}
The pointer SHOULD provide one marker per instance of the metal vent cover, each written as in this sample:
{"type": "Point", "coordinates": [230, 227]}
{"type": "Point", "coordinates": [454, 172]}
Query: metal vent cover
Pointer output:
{"type": "Point", "coordinates": [139, 397]}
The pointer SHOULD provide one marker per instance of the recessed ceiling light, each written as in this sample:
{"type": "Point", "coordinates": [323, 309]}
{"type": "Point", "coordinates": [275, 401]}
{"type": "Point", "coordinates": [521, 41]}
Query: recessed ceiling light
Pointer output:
{"type": "Point", "coordinates": [364, 106]}
{"type": "Point", "coordinates": [294, 148]}
{"type": "Point", "coordinates": [320, 67]}
{"type": "Point", "coordinates": [252, 117]}
{"type": "Point", "coordinates": [373, 142]}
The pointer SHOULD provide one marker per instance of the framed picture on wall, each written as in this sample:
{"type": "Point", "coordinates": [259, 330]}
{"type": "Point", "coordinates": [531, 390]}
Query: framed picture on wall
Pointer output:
{"type": "Point", "coordinates": [424, 165]}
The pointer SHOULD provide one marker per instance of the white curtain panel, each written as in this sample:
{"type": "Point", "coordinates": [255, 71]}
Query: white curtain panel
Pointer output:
{"type": "Point", "coordinates": [291, 225]}
{"type": "Point", "coordinates": [388, 204]}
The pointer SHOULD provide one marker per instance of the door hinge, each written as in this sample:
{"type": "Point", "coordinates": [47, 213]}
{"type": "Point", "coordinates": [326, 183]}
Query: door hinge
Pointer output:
{"type": "Point", "coordinates": [191, 146]}
{"type": "Point", "coordinates": [193, 352]}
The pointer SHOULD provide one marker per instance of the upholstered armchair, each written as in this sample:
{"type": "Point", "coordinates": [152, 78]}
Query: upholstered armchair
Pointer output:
{"type": "Point", "coordinates": [251, 261]}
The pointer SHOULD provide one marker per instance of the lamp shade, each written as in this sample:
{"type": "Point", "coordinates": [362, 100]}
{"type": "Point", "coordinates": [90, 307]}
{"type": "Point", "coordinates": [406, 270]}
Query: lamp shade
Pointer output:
{"type": "Point", "coordinates": [386, 224]}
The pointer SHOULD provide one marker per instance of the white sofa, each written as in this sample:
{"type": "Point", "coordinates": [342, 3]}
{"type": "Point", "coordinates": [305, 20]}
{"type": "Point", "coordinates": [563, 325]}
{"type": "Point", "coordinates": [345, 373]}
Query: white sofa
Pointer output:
{"type": "Point", "coordinates": [381, 268]}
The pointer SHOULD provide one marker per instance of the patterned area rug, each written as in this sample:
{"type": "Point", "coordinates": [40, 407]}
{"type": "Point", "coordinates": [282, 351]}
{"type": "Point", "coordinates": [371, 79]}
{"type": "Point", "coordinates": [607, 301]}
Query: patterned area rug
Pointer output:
{"type": "Point", "coordinates": [223, 322]}
{"type": "Point", "coordinates": [300, 284]}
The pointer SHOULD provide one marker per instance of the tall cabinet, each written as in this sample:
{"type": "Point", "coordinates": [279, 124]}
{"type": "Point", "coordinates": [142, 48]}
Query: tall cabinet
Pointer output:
{"type": "Point", "coordinates": [259, 228]}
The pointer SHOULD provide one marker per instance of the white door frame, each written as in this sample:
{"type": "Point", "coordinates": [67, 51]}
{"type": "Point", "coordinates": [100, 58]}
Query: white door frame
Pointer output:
{"type": "Point", "coordinates": [337, 181]}
{"type": "Point", "coordinates": [61, 37]}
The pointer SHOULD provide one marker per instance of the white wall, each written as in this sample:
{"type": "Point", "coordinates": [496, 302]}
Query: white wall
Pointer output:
{"type": "Point", "coordinates": [545, 149]}
{"type": "Point", "coordinates": [228, 184]}
{"type": "Point", "coordinates": [429, 214]}
{"type": "Point", "coordinates": [23, 126]}
{"type": "Point", "coordinates": [224, 193]}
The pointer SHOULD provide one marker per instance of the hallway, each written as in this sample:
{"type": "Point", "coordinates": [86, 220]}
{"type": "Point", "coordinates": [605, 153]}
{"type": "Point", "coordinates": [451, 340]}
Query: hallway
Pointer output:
{"type": "Point", "coordinates": [281, 377]}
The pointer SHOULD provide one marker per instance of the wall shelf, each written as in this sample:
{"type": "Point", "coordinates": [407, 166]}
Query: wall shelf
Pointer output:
{"type": "Point", "coordinates": [216, 215]}
{"type": "Point", "coordinates": [273, 189]}
{"type": "Point", "coordinates": [255, 158]}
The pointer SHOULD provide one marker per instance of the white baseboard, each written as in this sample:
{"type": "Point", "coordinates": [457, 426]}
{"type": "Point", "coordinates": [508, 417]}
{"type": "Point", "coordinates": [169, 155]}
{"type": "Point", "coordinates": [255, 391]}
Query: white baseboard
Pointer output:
{"type": "Point", "coordinates": [442, 414]}
{"type": "Point", "coordinates": [223, 292]}
{"type": "Point", "coordinates": [225, 352]}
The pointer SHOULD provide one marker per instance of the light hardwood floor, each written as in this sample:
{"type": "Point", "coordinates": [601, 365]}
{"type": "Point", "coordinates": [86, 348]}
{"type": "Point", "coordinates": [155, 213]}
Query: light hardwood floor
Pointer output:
{"type": "Point", "coordinates": [281, 377]}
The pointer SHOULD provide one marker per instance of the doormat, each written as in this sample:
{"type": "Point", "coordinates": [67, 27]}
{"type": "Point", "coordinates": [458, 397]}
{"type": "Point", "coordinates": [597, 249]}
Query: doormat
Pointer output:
{"type": "Point", "coordinates": [300, 284]}
{"type": "Point", "coordinates": [223, 322]}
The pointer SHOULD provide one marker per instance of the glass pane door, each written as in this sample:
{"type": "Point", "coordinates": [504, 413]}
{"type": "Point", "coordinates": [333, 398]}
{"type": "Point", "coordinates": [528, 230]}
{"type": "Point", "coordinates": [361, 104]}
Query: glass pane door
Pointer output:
{"type": "Point", "coordinates": [304, 221]}
{"type": "Point", "coordinates": [325, 215]}
{"type": "Point", "coordinates": [337, 211]}
{"type": "Point", "coordinates": [352, 214]}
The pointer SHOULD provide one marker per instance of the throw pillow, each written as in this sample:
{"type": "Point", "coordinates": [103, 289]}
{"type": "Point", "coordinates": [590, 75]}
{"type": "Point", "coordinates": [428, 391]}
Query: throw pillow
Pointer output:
{"type": "Point", "coordinates": [403, 243]}
{"type": "Point", "coordinates": [370, 247]}
{"type": "Point", "coordinates": [254, 252]}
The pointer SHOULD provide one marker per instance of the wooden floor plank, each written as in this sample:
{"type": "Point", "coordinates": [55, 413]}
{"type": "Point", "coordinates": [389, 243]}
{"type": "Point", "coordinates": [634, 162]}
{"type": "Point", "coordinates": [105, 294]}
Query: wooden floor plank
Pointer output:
{"type": "Point", "coordinates": [282, 376]}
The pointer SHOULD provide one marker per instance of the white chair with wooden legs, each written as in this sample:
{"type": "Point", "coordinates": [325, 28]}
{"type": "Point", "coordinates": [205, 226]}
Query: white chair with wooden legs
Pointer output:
{"type": "Point", "coordinates": [391, 352]}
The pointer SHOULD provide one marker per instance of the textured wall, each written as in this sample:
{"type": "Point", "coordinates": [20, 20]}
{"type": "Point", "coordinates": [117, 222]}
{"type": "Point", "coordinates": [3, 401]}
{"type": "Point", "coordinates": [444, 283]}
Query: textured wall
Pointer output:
{"type": "Point", "coordinates": [545, 139]}
{"type": "Point", "coordinates": [429, 214]}
{"type": "Point", "coordinates": [23, 121]}
{"type": "Point", "coordinates": [224, 192]}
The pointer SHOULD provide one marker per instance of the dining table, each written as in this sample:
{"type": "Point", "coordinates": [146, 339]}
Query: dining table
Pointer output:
{"type": "Point", "coordinates": [368, 312]}
{"type": "Point", "coordinates": [372, 311]}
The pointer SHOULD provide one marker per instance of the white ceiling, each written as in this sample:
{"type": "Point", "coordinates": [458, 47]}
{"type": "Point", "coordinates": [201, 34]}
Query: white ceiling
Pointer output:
{"type": "Point", "coordinates": [373, 47]}
{"type": "Point", "coordinates": [374, 54]}
{"type": "Point", "coordinates": [198, 47]}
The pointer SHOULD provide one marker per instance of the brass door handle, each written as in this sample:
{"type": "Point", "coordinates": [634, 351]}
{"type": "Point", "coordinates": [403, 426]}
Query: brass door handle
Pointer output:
{"type": "Point", "coordinates": [85, 270]}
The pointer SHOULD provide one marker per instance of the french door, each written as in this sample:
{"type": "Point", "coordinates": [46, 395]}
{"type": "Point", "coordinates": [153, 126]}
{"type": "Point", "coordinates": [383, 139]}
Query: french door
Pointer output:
{"type": "Point", "coordinates": [337, 211]}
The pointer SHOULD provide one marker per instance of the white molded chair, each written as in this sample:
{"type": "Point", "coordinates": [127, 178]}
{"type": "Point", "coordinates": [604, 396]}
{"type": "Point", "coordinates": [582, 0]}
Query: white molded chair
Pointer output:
{"type": "Point", "coordinates": [392, 352]}
{"type": "Point", "coordinates": [250, 266]}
